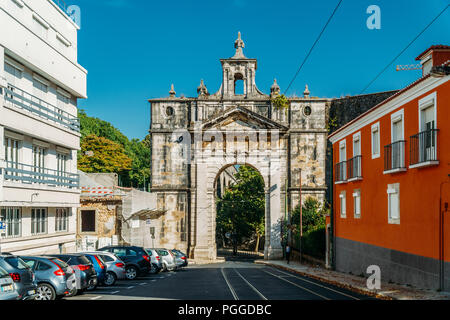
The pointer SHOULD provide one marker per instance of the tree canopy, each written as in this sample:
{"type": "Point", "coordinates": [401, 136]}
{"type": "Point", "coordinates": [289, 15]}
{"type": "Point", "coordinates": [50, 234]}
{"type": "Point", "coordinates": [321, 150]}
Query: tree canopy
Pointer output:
{"type": "Point", "coordinates": [133, 173]}
{"type": "Point", "coordinates": [241, 209]}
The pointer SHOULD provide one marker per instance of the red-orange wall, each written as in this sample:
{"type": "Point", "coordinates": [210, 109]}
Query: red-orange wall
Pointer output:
{"type": "Point", "coordinates": [418, 231]}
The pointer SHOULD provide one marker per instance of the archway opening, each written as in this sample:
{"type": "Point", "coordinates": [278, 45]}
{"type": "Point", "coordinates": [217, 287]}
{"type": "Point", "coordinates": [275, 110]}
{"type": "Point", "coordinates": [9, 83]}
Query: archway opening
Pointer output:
{"type": "Point", "coordinates": [240, 212]}
{"type": "Point", "coordinates": [238, 84]}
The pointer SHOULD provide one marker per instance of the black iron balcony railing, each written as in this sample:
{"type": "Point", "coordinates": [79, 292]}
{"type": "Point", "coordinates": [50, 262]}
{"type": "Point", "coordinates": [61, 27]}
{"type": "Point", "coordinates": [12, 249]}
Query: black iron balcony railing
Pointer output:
{"type": "Point", "coordinates": [341, 172]}
{"type": "Point", "coordinates": [26, 101]}
{"type": "Point", "coordinates": [423, 147]}
{"type": "Point", "coordinates": [354, 167]}
{"type": "Point", "coordinates": [31, 174]}
{"type": "Point", "coordinates": [394, 155]}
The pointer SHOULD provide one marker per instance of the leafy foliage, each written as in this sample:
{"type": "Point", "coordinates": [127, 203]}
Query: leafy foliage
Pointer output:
{"type": "Point", "coordinates": [313, 226]}
{"type": "Point", "coordinates": [137, 151]}
{"type": "Point", "coordinates": [108, 156]}
{"type": "Point", "coordinates": [241, 209]}
{"type": "Point", "coordinates": [280, 102]}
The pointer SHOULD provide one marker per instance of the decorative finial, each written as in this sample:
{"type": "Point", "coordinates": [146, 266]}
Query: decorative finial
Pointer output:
{"type": "Point", "coordinates": [172, 91]}
{"type": "Point", "coordinates": [239, 45]}
{"type": "Point", "coordinates": [306, 92]}
{"type": "Point", "coordinates": [202, 90]}
{"type": "Point", "coordinates": [275, 88]}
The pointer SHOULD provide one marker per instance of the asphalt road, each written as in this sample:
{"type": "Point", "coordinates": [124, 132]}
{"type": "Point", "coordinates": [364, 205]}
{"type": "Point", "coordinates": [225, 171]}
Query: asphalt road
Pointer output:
{"type": "Point", "coordinates": [232, 280]}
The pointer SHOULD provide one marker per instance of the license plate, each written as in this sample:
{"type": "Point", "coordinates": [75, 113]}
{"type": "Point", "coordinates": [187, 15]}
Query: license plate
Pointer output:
{"type": "Point", "coordinates": [7, 288]}
{"type": "Point", "coordinates": [31, 292]}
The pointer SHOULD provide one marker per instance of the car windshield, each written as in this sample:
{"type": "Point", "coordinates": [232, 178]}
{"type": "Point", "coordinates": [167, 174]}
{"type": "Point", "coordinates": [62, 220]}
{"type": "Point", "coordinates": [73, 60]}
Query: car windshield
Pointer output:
{"type": "Point", "coordinates": [17, 263]}
{"type": "Point", "coordinates": [83, 260]}
{"type": "Point", "coordinates": [163, 252]}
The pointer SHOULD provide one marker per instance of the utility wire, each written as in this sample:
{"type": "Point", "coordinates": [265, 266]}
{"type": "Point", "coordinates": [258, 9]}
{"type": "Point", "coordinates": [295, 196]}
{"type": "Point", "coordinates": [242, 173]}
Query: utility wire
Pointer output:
{"type": "Point", "coordinates": [401, 52]}
{"type": "Point", "coordinates": [310, 50]}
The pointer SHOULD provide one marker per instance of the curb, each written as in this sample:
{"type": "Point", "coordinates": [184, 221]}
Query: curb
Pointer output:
{"type": "Point", "coordinates": [335, 283]}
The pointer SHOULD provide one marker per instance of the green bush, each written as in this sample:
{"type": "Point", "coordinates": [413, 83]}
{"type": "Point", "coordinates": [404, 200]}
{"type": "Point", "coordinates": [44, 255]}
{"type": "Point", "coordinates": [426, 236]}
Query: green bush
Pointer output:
{"type": "Point", "coordinates": [313, 243]}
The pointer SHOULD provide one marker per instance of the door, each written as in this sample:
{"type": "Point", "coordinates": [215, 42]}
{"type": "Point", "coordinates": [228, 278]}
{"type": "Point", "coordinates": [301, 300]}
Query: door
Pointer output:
{"type": "Point", "coordinates": [397, 151]}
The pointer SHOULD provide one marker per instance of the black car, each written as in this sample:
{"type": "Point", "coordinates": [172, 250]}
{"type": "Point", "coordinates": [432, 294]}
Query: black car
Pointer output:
{"type": "Point", "coordinates": [21, 274]}
{"type": "Point", "coordinates": [84, 270]}
{"type": "Point", "coordinates": [137, 260]}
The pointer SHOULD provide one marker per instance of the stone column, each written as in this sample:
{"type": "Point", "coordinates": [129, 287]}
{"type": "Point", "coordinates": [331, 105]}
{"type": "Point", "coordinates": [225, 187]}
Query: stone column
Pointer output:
{"type": "Point", "coordinates": [267, 224]}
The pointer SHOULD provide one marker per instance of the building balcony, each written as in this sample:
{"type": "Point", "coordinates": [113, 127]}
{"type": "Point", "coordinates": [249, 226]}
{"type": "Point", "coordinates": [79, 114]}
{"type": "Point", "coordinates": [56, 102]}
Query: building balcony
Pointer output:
{"type": "Point", "coordinates": [341, 172]}
{"type": "Point", "coordinates": [29, 174]}
{"type": "Point", "coordinates": [423, 149]}
{"type": "Point", "coordinates": [354, 168]}
{"type": "Point", "coordinates": [23, 100]}
{"type": "Point", "coordinates": [394, 157]}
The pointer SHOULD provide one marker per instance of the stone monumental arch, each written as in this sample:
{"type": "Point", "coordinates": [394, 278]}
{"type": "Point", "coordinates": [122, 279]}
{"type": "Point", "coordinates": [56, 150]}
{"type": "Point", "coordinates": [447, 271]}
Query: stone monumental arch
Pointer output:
{"type": "Point", "coordinates": [194, 139]}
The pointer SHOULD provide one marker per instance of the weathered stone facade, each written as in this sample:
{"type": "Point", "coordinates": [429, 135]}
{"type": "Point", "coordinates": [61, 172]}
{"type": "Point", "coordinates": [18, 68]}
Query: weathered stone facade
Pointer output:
{"type": "Point", "coordinates": [287, 146]}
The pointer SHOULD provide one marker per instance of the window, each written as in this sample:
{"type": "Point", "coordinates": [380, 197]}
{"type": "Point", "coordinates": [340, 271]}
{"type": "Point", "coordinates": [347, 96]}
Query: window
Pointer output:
{"type": "Point", "coordinates": [106, 258]}
{"type": "Point", "coordinates": [88, 221]}
{"type": "Point", "coordinates": [40, 88]}
{"type": "Point", "coordinates": [12, 148]}
{"type": "Point", "coordinates": [61, 219]}
{"type": "Point", "coordinates": [61, 167]}
{"type": "Point", "coordinates": [357, 144]}
{"type": "Point", "coordinates": [63, 100]}
{"type": "Point", "coordinates": [376, 140]}
{"type": "Point", "coordinates": [120, 252]}
{"type": "Point", "coordinates": [238, 84]}
{"type": "Point", "coordinates": [38, 221]}
{"type": "Point", "coordinates": [428, 132]}
{"type": "Point", "coordinates": [343, 204]}
{"type": "Point", "coordinates": [393, 192]}
{"type": "Point", "coordinates": [38, 159]}
{"type": "Point", "coordinates": [12, 72]}
{"type": "Point", "coordinates": [307, 111]}
{"type": "Point", "coordinates": [13, 219]}
{"type": "Point", "coordinates": [397, 135]}
{"type": "Point", "coordinates": [42, 266]}
{"type": "Point", "coordinates": [357, 203]}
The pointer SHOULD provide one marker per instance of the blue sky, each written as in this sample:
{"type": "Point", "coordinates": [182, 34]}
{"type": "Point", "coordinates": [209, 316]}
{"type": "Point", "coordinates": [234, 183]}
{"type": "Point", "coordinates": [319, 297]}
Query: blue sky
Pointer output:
{"type": "Point", "coordinates": [134, 49]}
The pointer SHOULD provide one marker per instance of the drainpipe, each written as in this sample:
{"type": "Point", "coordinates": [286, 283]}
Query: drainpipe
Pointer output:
{"type": "Point", "coordinates": [442, 209]}
{"type": "Point", "coordinates": [332, 222]}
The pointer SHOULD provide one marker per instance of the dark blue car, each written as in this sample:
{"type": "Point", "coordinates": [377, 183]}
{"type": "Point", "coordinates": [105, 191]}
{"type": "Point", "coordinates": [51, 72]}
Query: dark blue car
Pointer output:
{"type": "Point", "coordinates": [99, 266]}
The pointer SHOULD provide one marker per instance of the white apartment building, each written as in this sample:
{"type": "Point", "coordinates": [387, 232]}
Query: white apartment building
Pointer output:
{"type": "Point", "coordinates": [40, 83]}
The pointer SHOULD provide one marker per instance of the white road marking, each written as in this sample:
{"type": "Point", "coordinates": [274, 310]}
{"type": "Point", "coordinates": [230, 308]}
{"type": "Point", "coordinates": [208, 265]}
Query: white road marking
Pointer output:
{"type": "Point", "coordinates": [250, 285]}
{"type": "Point", "coordinates": [143, 284]}
{"type": "Point", "coordinates": [153, 280]}
{"type": "Point", "coordinates": [229, 285]}
{"type": "Point", "coordinates": [95, 298]}
{"type": "Point", "coordinates": [317, 284]}
{"type": "Point", "coordinates": [130, 287]}
{"type": "Point", "coordinates": [297, 285]}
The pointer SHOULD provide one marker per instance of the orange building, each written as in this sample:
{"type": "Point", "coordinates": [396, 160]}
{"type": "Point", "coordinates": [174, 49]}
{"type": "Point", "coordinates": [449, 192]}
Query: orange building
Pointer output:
{"type": "Point", "coordinates": [391, 189]}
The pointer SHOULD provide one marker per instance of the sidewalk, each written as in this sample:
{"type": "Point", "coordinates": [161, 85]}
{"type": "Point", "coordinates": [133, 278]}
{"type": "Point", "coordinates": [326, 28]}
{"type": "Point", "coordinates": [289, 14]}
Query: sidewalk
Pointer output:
{"type": "Point", "coordinates": [358, 284]}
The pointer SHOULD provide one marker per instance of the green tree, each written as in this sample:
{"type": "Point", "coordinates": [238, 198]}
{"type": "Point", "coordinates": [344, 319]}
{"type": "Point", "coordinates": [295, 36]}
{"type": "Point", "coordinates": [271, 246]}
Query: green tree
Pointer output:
{"type": "Point", "coordinates": [241, 209]}
{"type": "Point", "coordinates": [138, 151]}
{"type": "Point", "coordinates": [99, 154]}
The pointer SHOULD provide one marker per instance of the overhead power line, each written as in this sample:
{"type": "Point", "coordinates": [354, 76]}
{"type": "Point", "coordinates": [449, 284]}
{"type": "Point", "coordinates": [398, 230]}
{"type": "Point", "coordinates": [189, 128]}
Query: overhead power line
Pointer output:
{"type": "Point", "coordinates": [310, 50]}
{"type": "Point", "coordinates": [401, 52]}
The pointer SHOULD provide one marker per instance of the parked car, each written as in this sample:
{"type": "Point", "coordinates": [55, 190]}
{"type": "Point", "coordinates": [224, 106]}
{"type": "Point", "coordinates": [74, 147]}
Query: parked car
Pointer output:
{"type": "Point", "coordinates": [54, 277]}
{"type": "Point", "coordinates": [99, 266]}
{"type": "Point", "coordinates": [168, 259]}
{"type": "Point", "coordinates": [137, 260]}
{"type": "Point", "coordinates": [85, 273]}
{"type": "Point", "coordinates": [155, 260]}
{"type": "Point", "coordinates": [180, 255]}
{"type": "Point", "coordinates": [21, 274]}
{"type": "Point", "coordinates": [115, 268]}
{"type": "Point", "coordinates": [7, 289]}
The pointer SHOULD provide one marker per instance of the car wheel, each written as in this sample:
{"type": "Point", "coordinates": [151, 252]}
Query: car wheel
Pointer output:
{"type": "Point", "coordinates": [164, 269]}
{"type": "Point", "coordinates": [73, 292]}
{"type": "Point", "coordinates": [110, 278]}
{"type": "Point", "coordinates": [92, 285]}
{"type": "Point", "coordinates": [154, 269]}
{"type": "Point", "coordinates": [131, 273]}
{"type": "Point", "coordinates": [45, 292]}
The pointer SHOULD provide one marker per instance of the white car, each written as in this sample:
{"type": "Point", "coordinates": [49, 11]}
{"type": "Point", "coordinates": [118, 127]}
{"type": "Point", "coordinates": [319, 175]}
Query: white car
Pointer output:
{"type": "Point", "coordinates": [168, 259]}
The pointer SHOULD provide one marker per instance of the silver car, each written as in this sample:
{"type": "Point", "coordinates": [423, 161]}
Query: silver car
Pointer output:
{"type": "Point", "coordinates": [115, 268]}
{"type": "Point", "coordinates": [55, 278]}
{"type": "Point", "coordinates": [155, 260]}
{"type": "Point", "coordinates": [168, 259]}
{"type": "Point", "coordinates": [7, 289]}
